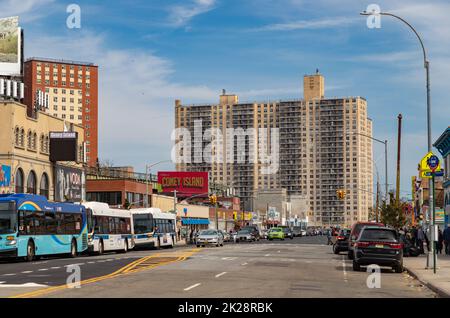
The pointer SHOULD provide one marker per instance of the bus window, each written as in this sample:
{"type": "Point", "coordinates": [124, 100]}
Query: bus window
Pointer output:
{"type": "Point", "coordinates": [90, 220]}
{"type": "Point", "coordinates": [50, 222]}
{"type": "Point", "coordinates": [25, 223]}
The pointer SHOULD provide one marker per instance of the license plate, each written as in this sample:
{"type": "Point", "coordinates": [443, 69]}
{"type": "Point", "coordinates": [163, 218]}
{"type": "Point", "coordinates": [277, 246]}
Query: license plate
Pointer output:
{"type": "Point", "coordinates": [379, 246]}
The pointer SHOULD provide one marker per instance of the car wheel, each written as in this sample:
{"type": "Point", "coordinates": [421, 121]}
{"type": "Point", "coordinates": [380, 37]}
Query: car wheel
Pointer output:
{"type": "Point", "coordinates": [350, 255]}
{"type": "Point", "coordinates": [198, 246]}
{"type": "Point", "coordinates": [270, 239]}
{"type": "Point", "coordinates": [335, 249]}
{"type": "Point", "coordinates": [398, 268]}
{"type": "Point", "coordinates": [356, 266]}
{"type": "Point", "coordinates": [30, 252]}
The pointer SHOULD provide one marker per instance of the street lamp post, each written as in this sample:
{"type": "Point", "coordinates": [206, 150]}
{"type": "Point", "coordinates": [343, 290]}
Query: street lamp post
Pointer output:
{"type": "Point", "coordinates": [428, 89]}
{"type": "Point", "coordinates": [148, 176]}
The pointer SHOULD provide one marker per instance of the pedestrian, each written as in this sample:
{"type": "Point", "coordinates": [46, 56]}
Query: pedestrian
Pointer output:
{"type": "Point", "coordinates": [191, 235]}
{"type": "Point", "coordinates": [329, 235]}
{"type": "Point", "coordinates": [420, 239]}
{"type": "Point", "coordinates": [440, 242]}
{"type": "Point", "coordinates": [446, 239]}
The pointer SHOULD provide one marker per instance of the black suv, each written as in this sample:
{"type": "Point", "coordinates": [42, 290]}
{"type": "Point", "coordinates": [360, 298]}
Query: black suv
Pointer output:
{"type": "Point", "coordinates": [341, 243]}
{"type": "Point", "coordinates": [380, 246]}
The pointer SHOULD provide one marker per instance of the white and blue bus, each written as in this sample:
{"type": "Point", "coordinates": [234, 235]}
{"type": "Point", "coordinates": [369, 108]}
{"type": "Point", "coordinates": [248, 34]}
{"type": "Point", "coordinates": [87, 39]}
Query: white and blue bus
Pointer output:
{"type": "Point", "coordinates": [31, 227]}
{"type": "Point", "coordinates": [108, 229]}
{"type": "Point", "coordinates": [153, 228]}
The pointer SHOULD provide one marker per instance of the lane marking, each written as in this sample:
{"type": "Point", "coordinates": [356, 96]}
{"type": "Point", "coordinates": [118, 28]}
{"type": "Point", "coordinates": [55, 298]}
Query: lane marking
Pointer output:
{"type": "Point", "coordinates": [56, 267]}
{"type": "Point", "coordinates": [127, 269]}
{"type": "Point", "coordinates": [91, 262]}
{"type": "Point", "coordinates": [26, 272]}
{"type": "Point", "coordinates": [26, 285]}
{"type": "Point", "coordinates": [192, 287]}
{"type": "Point", "coordinates": [78, 264]}
{"type": "Point", "coordinates": [42, 269]}
{"type": "Point", "coordinates": [9, 274]}
{"type": "Point", "coordinates": [267, 255]}
{"type": "Point", "coordinates": [243, 264]}
{"type": "Point", "coordinates": [221, 274]}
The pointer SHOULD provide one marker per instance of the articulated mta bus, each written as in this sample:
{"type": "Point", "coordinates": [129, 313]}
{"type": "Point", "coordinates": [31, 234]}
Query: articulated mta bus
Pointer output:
{"type": "Point", "coordinates": [109, 229]}
{"type": "Point", "coordinates": [153, 228]}
{"type": "Point", "coordinates": [31, 226]}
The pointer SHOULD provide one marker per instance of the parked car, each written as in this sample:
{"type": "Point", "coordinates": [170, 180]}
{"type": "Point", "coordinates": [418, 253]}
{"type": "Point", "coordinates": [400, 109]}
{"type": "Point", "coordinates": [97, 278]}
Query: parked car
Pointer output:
{"type": "Point", "coordinates": [341, 244]}
{"type": "Point", "coordinates": [246, 235]}
{"type": "Point", "coordinates": [209, 237]}
{"type": "Point", "coordinates": [254, 230]}
{"type": "Point", "coordinates": [287, 232]}
{"type": "Point", "coordinates": [226, 236]}
{"type": "Point", "coordinates": [380, 246]}
{"type": "Point", "coordinates": [276, 233]}
{"type": "Point", "coordinates": [298, 231]}
{"type": "Point", "coordinates": [354, 234]}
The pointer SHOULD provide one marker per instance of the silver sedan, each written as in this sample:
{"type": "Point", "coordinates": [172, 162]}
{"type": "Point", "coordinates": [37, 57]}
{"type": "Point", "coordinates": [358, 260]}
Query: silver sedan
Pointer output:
{"type": "Point", "coordinates": [209, 237]}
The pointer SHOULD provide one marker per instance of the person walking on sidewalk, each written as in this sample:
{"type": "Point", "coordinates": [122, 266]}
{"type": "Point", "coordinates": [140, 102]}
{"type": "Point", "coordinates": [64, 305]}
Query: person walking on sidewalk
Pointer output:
{"type": "Point", "coordinates": [446, 238]}
{"type": "Point", "coordinates": [420, 239]}
{"type": "Point", "coordinates": [440, 242]}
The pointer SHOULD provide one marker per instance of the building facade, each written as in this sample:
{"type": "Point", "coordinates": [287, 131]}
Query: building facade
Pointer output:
{"type": "Point", "coordinates": [24, 156]}
{"type": "Point", "coordinates": [322, 145]}
{"type": "Point", "coordinates": [443, 145]}
{"type": "Point", "coordinates": [72, 89]}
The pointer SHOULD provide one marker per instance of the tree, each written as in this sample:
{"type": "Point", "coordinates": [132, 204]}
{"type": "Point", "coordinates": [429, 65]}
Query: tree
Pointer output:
{"type": "Point", "coordinates": [392, 214]}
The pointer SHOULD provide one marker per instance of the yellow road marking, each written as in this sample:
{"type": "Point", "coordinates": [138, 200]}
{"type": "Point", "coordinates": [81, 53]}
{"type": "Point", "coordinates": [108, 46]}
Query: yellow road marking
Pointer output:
{"type": "Point", "coordinates": [128, 269]}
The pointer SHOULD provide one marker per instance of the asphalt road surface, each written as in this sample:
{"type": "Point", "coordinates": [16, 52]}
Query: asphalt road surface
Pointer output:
{"type": "Point", "coordinates": [302, 267]}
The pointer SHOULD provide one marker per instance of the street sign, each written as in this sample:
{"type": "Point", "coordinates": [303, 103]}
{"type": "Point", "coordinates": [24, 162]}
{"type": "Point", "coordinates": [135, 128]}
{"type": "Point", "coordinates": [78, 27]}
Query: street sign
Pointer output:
{"type": "Point", "coordinates": [427, 165]}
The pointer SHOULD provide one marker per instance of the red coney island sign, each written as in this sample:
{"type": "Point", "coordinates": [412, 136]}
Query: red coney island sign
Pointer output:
{"type": "Point", "coordinates": [185, 183]}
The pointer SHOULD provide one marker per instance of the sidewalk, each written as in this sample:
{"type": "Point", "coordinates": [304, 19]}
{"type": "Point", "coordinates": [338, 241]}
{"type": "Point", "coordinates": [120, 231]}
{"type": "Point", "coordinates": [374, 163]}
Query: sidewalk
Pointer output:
{"type": "Point", "coordinates": [439, 282]}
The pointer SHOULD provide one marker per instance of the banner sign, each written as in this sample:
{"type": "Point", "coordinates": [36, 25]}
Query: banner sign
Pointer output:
{"type": "Point", "coordinates": [5, 176]}
{"type": "Point", "coordinates": [69, 184]}
{"type": "Point", "coordinates": [185, 183]}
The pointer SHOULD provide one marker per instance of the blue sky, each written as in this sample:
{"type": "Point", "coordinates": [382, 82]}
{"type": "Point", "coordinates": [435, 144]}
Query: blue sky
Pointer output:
{"type": "Point", "coordinates": [151, 52]}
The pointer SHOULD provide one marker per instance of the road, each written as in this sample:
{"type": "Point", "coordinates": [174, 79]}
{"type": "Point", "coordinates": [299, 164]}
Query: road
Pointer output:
{"type": "Point", "coordinates": [303, 267]}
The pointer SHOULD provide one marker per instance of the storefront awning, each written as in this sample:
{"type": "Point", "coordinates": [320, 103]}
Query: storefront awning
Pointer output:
{"type": "Point", "coordinates": [189, 221]}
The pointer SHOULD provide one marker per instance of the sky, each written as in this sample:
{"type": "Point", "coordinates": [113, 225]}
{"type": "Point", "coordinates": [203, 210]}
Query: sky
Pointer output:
{"type": "Point", "coordinates": [151, 52]}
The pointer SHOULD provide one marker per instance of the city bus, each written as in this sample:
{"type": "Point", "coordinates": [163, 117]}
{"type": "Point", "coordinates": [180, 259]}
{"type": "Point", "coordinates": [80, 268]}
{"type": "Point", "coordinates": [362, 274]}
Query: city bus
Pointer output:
{"type": "Point", "coordinates": [31, 227]}
{"type": "Point", "coordinates": [153, 228]}
{"type": "Point", "coordinates": [108, 229]}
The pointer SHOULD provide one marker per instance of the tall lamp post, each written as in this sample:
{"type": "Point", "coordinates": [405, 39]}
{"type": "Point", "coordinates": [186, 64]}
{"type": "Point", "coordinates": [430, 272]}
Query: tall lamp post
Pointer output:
{"type": "Point", "coordinates": [428, 89]}
{"type": "Point", "coordinates": [148, 176]}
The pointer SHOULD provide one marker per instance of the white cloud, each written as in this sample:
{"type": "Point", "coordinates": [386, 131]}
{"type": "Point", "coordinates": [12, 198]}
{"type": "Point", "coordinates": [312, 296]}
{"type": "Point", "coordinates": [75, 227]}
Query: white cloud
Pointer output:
{"type": "Point", "coordinates": [136, 96]}
{"type": "Point", "coordinates": [309, 24]}
{"type": "Point", "coordinates": [29, 10]}
{"type": "Point", "coordinates": [180, 15]}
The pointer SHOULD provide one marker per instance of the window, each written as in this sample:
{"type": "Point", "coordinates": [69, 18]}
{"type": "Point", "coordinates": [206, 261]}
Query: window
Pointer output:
{"type": "Point", "coordinates": [19, 181]}
{"type": "Point", "coordinates": [44, 186]}
{"type": "Point", "coordinates": [17, 136]}
{"type": "Point", "coordinates": [31, 183]}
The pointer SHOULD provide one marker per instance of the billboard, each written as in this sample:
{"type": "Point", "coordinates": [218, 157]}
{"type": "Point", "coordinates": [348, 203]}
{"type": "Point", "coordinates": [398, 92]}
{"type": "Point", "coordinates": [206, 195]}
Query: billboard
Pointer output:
{"type": "Point", "coordinates": [185, 183]}
{"type": "Point", "coordinates": [63, 146]}
{"type": "Point", "coordinates": [5, 176]}
{"type": "Point", "coordinates": [10, 47]}
{"type": "Point", "coordinates": [68, 184]}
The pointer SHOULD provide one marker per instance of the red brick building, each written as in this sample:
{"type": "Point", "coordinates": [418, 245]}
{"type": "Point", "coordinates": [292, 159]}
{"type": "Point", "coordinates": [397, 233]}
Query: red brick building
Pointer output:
{"type": "Point", "coordinates": [72, 89]}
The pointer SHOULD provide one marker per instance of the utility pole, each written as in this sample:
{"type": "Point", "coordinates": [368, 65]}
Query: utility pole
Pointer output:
{"type": "Point", "coordinates": [399, 146]}
{"type": "Point", "coordinates": [378, 201]}
{"type": "Point", "coordinates": [175, 201]}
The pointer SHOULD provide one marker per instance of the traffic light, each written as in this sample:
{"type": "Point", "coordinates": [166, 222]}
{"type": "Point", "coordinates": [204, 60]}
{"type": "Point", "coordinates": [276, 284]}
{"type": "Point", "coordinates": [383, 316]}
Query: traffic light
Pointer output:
{"type": "Point", "coordinates": [341, 194]}
{"type": "Point", "coordinates": [213, 199]}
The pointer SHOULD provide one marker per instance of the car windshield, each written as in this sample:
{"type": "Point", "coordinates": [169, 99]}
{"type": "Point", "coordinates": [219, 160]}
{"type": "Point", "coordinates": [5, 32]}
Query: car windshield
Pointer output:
{"type": "Point", "coordinates": [244, 231]}
{"type": "Point", "coordinates": [275, 230]}
{"type": "Point", "coordinates": [8, 218]}
{"type": "Point", "coordinates": [208, 232]}
{"type": "Point", "coordinates": [344, 232]}
{"type": "Point", "coordinates": [143, 223]}
{"type": "Point", "coordinates": [378, 235]}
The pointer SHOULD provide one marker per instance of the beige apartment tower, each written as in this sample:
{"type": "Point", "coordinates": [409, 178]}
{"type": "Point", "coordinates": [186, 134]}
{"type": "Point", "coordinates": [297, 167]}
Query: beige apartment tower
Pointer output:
{"type": "Point", "coordinates": [321, 150]}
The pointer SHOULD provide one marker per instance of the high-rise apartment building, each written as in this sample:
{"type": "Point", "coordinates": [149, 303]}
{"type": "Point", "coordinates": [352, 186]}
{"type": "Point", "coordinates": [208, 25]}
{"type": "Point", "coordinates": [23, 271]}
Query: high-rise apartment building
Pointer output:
{"type": "Point", "coordinates": [72, 89]}
{"type": "Point", "coordinates": [323, 147]}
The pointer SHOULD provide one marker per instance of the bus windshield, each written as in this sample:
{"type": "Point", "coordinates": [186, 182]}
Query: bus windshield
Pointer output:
{"type": "Point", "coordinates": [8, 218]}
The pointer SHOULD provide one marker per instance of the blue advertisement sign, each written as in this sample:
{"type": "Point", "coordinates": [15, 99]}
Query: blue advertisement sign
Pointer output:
{"type": "Point", "coordinates": [5, 176]}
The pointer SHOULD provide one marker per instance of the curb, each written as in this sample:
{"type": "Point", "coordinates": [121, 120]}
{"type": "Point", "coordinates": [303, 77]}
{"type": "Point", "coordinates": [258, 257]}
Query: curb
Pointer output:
{"type": "Point", "coordinates": [442, 293]}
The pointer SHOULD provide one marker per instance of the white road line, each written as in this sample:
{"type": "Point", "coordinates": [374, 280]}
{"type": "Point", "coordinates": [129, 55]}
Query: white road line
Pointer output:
{"type": "Point", "coordinates": [26, 272]}
{"type": "Point", "coordinates": [78, 264]}
{"type": "Point", "coordinates": [42, 269]}
{"type": "Point", "coordinates": [91, 262]}
{"type": "Point", "coordinates": [109, 260]}
{"type": "Point", "coordinates": [192, 287]}
{"type": "Point", "coordinates": [101, 261]}
{"type": "Point", "coordinates": [344, 269]}
{"type": "Point", "coordinates": [243, 264]}
{"type": "Point", "coordinates": [8, 274]}
{"type": "Point", "coordinates": [221, 274]}
{"type": "Point", "coordinates": [56, 267]}
{"type": "Point", "coordinates": [267, 255]}
{"type": "Point", "coordinates": [27, 285]}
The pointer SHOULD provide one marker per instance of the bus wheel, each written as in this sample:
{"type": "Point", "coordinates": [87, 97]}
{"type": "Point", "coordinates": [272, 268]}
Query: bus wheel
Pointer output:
{"type": "Point", "coordinates": [73, 249]}
{"type": "Point", "coordinates": [100, 248]}
{"type": "Point", "coordinates": [30, 252]}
